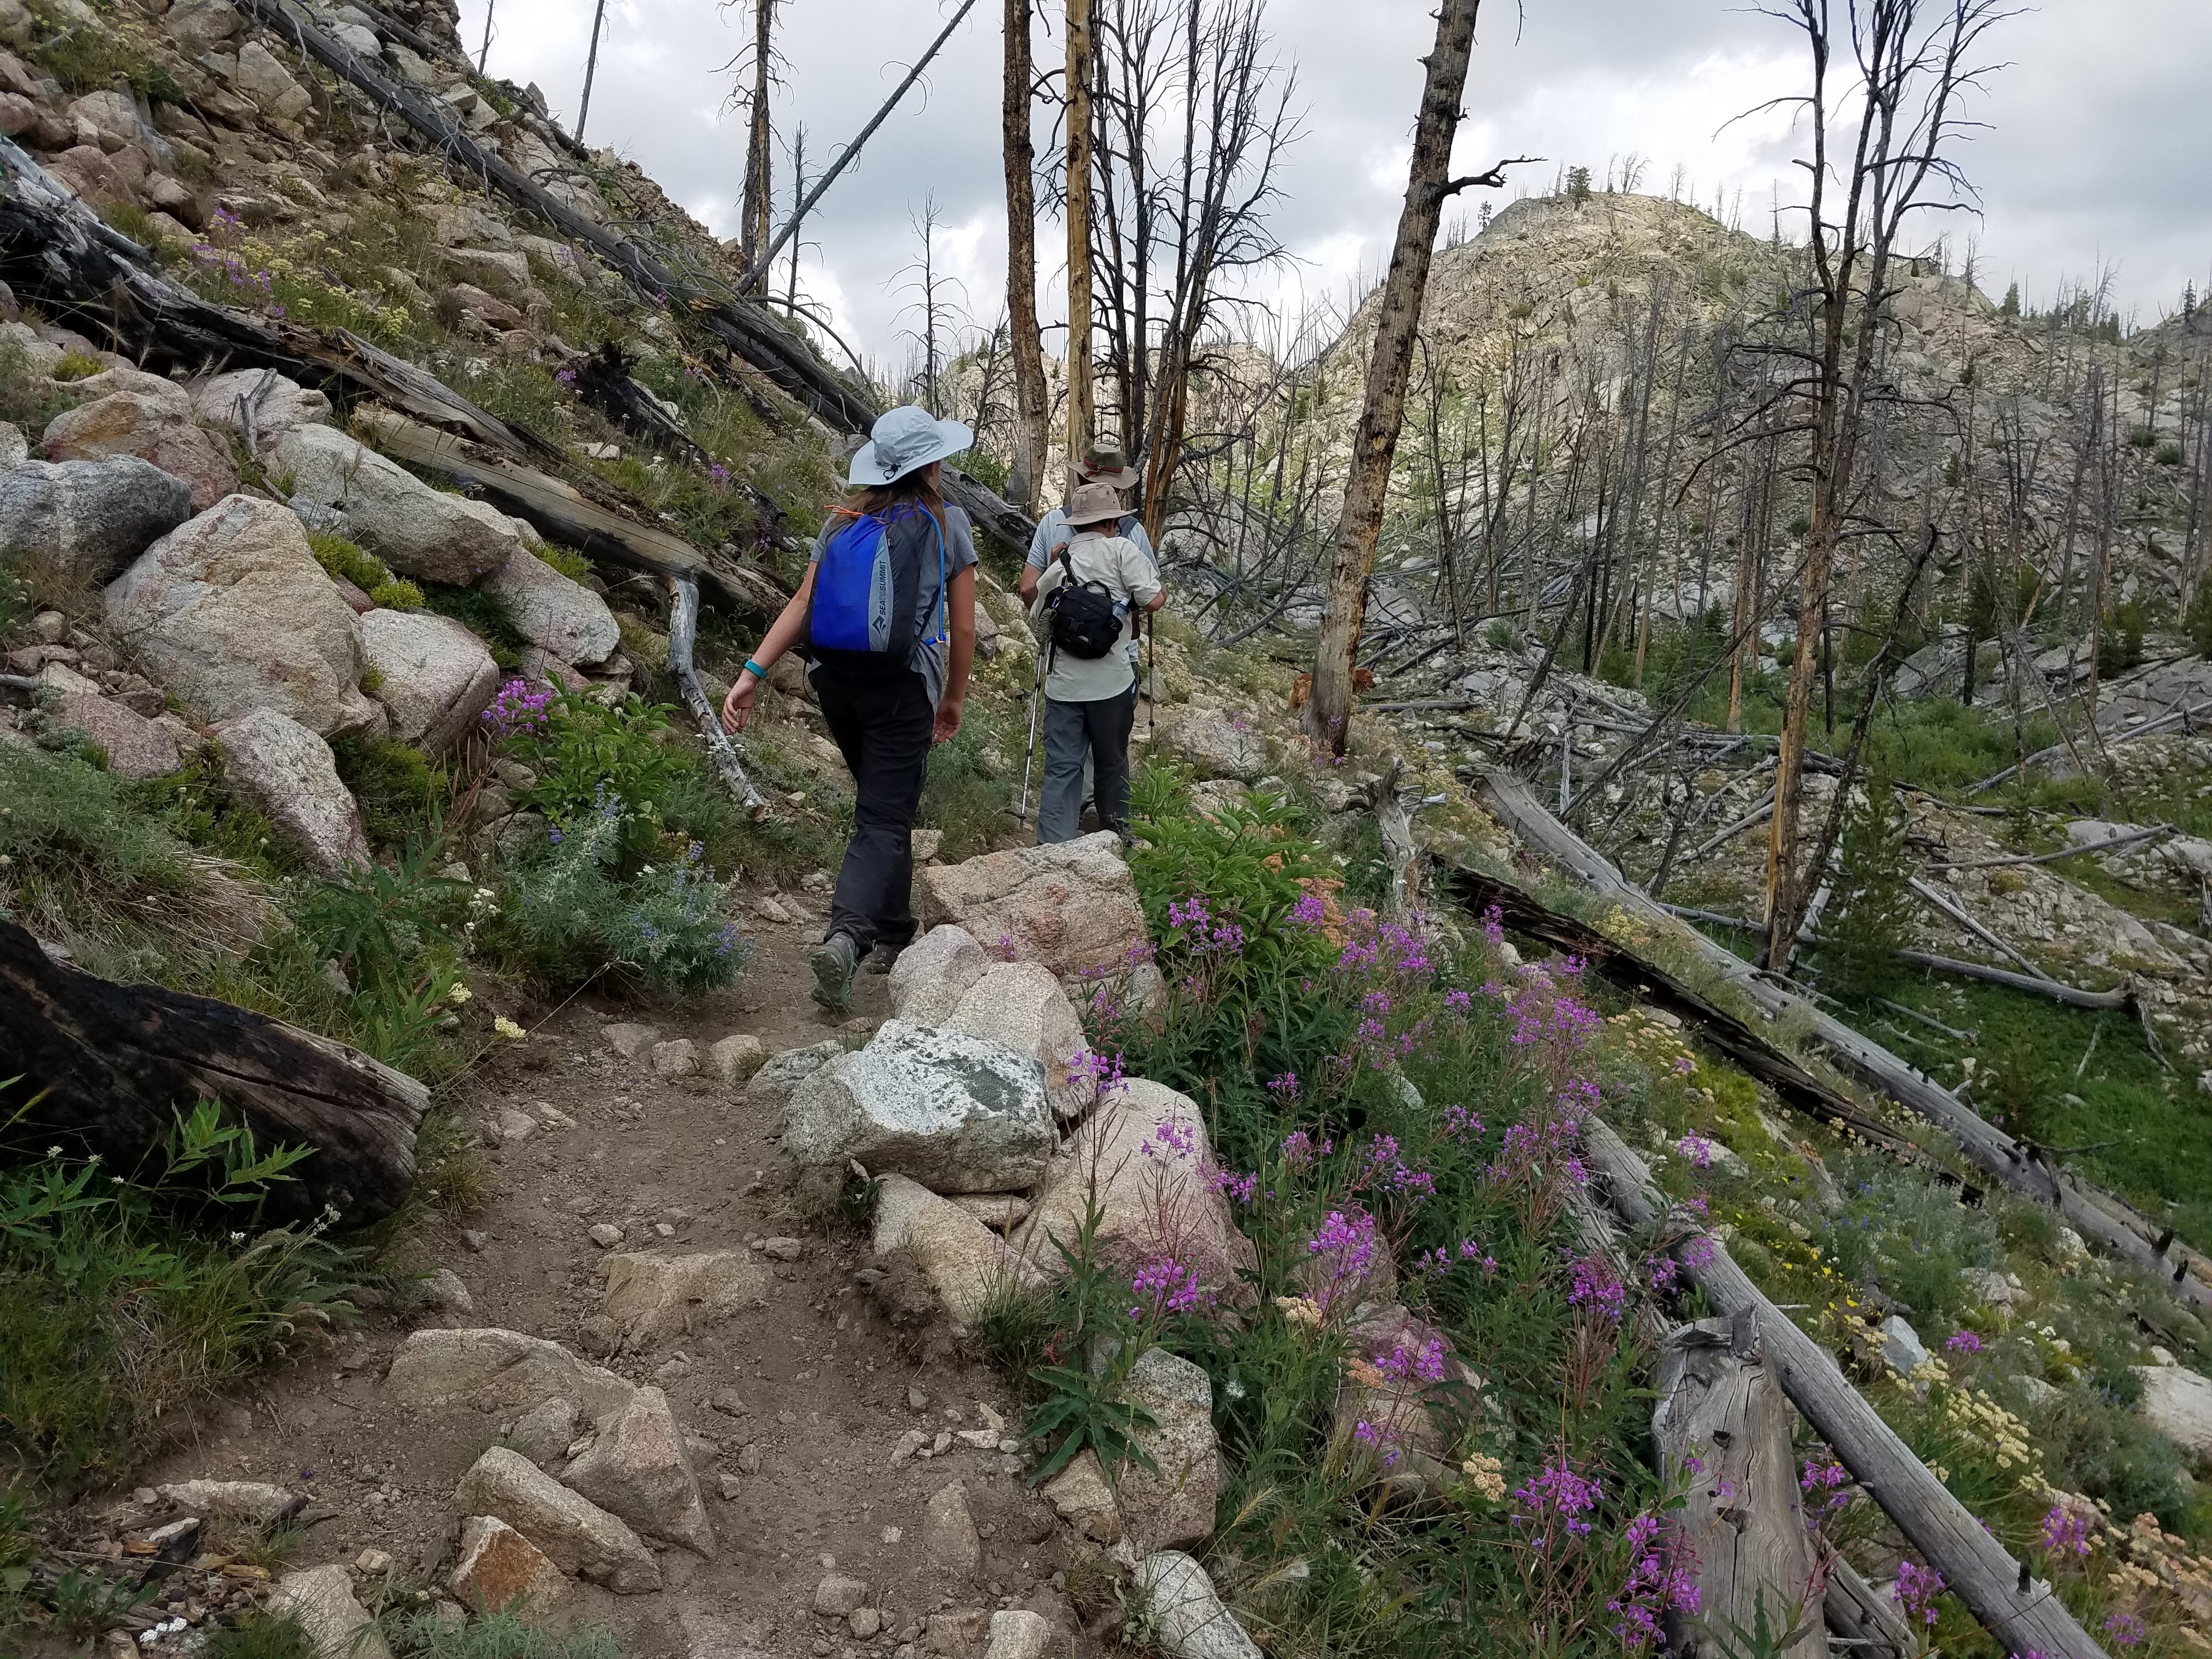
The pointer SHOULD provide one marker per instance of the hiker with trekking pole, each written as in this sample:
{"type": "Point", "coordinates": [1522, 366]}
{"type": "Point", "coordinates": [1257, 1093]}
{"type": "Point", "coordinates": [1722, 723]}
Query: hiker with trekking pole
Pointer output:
{"type": "Point", "coordinates": [886, 616]}
{"type": "Point", "coordinates": [1090, 601]}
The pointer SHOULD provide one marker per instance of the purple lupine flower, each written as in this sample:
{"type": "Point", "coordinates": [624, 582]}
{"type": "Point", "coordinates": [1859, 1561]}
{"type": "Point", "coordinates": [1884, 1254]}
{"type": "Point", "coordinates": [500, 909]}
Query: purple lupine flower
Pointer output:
{"type": "Point", "coordinates": [1916, 1591]}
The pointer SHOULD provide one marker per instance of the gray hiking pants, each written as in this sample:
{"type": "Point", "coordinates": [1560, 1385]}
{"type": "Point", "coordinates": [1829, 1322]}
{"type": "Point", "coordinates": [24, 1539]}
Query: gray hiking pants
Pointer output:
{"type": "Point", "coordinates": [1075, 733]}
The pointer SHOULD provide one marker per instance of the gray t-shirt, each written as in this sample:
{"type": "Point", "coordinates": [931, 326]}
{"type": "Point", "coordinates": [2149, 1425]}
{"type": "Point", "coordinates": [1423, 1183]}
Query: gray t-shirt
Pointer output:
{"type": "Point", "coordinates": [1053, 534]}
{"type": "Point", "coordinates": [1121, 568]}
{"type": "Point", "coordinates": [932, 635]}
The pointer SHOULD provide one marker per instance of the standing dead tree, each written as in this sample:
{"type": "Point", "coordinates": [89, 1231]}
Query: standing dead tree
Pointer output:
{"type": "Point", "coordinates": [591, 68]}
{"type": "Point", "coordinates": [1032, 410]}
{"type": "Point", "coordinates": [1390, 366]}
{"type": "Point", "coordinates": [1912, 62]}
{"type": "Point", "coordinates": [755, 208]}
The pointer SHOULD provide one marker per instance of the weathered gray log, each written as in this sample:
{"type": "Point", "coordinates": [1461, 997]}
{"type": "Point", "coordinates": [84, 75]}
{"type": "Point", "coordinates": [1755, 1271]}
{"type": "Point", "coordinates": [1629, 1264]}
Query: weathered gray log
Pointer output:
{"type": "Point", "coordinates": [998, 519]}
{"type": "Point", "coordinates": [54, 247]}
{"type": "Point", "coordinates": [1721, 1420]}
{"type": "Point", "coordinates": [110, 1066]}
{"type": "Point", "coordinates": [682, 632]}
{"type": "Point", "coordinates": [1868, 1620]}
{"type": "Point", "coordinates": [566, 516]}
{"type": "Point", "coordinates": [2021, 1611]}
{"type": "Point", "coordinates": [2098, 1216]}
{"type": "Point", "coordinates": [1957, 912]}
{"type": "Point", "coordinates": [2111, 845]}
{"type": "Point", "coordinates": [747, 329]}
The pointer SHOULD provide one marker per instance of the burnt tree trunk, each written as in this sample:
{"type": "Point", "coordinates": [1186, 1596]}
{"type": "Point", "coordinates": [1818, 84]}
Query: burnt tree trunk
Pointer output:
{"type": "Point", "coordinates": [1742, 1514]}
{"type": "Point", "coordinates": [111, 1065]}
{"type": "Point", "coordinates": [1031, 402]}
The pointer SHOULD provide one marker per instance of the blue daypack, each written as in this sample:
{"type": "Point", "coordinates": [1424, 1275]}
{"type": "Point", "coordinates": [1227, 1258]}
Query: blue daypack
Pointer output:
{"type": "Point", "coordinates": [869, 584]}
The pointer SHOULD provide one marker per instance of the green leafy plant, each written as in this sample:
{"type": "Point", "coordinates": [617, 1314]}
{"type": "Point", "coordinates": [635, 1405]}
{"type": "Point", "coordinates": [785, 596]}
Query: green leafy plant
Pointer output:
{"type": "Point", "coordinates": [260, 1635]}
{"type": "Point", "coordinates": [396, 594]}
{"type": "Point", "coordinates": [587, 752]}
{"type": "Point", "coordinates": [75, 366]}
{"type": "Point", "coordinates": [566, 560]}
{"type": "Point", "coordinates": [500, 1634]}
{"type": "Point", "coordinates": [569, 910]}
{"type": "Point", "coordinates": [389, 931]}
{"type": "Point", "coordinates": [399, 791]}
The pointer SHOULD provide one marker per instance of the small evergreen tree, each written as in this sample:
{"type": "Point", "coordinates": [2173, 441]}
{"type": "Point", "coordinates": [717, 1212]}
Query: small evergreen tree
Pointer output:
{"type": "Point", "coordinates": [1866, 921]}
{"type": "Point", "coordinates": [1578, 185]}
{"type": "Point", "coordinates": [2010, 308]}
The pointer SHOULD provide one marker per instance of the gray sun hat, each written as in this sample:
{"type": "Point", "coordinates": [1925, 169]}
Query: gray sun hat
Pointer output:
{"type": "Point", "coordinates": [907, 438]}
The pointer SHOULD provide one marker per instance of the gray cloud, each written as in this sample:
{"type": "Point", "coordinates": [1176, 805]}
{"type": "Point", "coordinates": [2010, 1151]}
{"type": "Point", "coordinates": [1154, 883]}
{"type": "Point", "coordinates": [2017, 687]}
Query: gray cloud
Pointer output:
{"type": "Point", "coordinates": [2092, 153]}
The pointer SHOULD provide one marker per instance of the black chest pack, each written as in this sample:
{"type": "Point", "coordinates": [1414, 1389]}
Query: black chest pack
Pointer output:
{"type": "Point", "coordinates": [1086, 617]}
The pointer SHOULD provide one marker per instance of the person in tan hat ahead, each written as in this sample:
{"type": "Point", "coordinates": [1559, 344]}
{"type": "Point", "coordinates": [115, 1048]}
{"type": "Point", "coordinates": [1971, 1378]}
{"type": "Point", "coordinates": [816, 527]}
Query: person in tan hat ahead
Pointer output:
{"type": "Point", "coordinates": [1102, 464]}
{"type": "Point", "coordinates": [1085, 614]}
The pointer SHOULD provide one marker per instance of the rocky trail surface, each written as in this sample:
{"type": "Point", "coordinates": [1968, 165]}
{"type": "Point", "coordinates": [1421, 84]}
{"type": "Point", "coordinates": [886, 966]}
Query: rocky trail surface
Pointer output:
{"type": "Point", "coordinates": [636, 1249]}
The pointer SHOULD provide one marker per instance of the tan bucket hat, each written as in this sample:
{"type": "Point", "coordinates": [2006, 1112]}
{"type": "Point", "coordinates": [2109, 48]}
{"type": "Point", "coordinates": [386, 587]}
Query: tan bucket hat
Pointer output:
{"type": "Point", "coordinates": [1094, 503]}
{"type": "Point", "coordinates": [1105, 463]}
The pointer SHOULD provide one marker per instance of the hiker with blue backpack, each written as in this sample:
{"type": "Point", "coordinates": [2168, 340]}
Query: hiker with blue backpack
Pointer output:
{"type": "Point", "coordinates": [1090, 600]}
{"type": "Point", "coordinates": [886, 616]}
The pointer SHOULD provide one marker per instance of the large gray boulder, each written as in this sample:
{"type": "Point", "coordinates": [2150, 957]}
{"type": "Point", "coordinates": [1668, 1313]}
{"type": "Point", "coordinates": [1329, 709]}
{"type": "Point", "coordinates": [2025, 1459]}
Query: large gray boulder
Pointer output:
{"type": "Point", "coordinates": [1172, 1504]}
{"type": "Point", "coordinates": [576, 1534]}
{"type": "Point", "coordinates": [966, 1263]}
{"type": "Point", "coordinates": [278, 405]}
{"type": "Point", "coordinates": [152, 421]}
{"type": "Point", "coordinates": [564, 619]}
{"type": "Point", "coordinates": [933, 972]}
{"type": "Point", "coordinates": [636, 1467]}
{"type": "Point", "coordinates": [413, 528]}
{"type": "Point", "coordinates": [231, 613]}
{"type": "Point", "coordinates": [956, 1113]}
{"type": "Point", "coordinates": [1218, 745]}
{"type": "Point", "coordinates": [1020, 1006]}
{"type": "Point", "coordinates": [1146, 1159]}
{"type": "Point", "coordinates": [288, 774]}
{"type": "Point", "coordinates": [1189, 1620]}
{"type": "Point", "coordinates": [322, 1599]}
{"type": "Point", "coordinates": [494, 1368]}
{"type": "Point", "coordinates": [136, 747]}
{"type": "Point", "coordinates": [1072, 906]}
{"type": "Point", "coordinates": [76, 523]}
{"type": "Point", "coordinates": [437, 677]}
{"type": "Point", "coordinates": [2177, 1403]}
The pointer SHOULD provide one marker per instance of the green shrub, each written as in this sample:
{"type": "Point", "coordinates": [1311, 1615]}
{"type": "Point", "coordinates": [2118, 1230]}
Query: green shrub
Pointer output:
{"type": "Point", "coordinates": [568, 910]}
{"type": "Point", "coordinates": [347, 562]}
{"type": "Point", "coordinates": [585, 751]}
{"type": "Point", "coordinates": [966, 794]}
{"type": "Point", "coordinates": [260, 1635]}
{"type": "Point", "coordinates": [399, 791]}
{"type": "Point", "coordinates": [75, 366]}
{"type": "Point", "coordinates": [83, 859]}
{"type": "Point", "coordinates": [568, 561]}
{"type": "Point", "coordinates": [2120, 638]}
{"type": "Point", "coordinates": [395, 932]}
{"type": "Point", "coordinates": [396, 594]}
{"type": "Point", "coordinates": [483, 615]}
{"type": "Point", "coordinates": [501, 1635]}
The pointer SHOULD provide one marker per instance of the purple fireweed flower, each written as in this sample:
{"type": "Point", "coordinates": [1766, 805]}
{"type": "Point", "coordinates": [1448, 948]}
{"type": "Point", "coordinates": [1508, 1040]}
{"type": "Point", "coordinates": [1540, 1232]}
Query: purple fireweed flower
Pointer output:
{"type": "Point", "coordinates": [1697, 1253]}
{"type": "Point", "coordinates": [1310, 911]}
{"type": "Point", "coordinates": [1461, 1124]}
{"type": "Point", "coordinates": [1286, 1086]}
{"type": "Point", "coordinates": [1963, 1341]}
{"type": "Point", "coordinates": [1493, 928]}
{"type": "Point", "coordinates": [1242, 1188]}
{"type": "Point", "coordinates": [1300, 1149]}
{"type": "Point", "coordinates": [1345, 1245]}
{"type": "Point", "coordinates": [1459, 1002]}
{"type": "Point", "coordinates": [1172, 1141]}
{"type": "Point", "coordinates": [1916, 1591]}
{"type": "Point", "coordinates": [2065, 1532]}
{"type": "Point", "coordinates": [1598, 1287]}
{"type": "Point", "coordinates": [1164, 1286]}
{"type": "Point", "coordinates": [2127, 1630]}
{"type": "Point", "coordinates": [1424, 1364]}
{"type": "Point", "coordinates": [517, 708]}
{"type": "Point", "coordinates": [1559, 1491]}
{"type": "Point", "coordinates": [1377, 1440]}
{"type": "Point", "coordinates": [1698, 1150]}
{"type": "Point", "coordinates": [1658, 1583]}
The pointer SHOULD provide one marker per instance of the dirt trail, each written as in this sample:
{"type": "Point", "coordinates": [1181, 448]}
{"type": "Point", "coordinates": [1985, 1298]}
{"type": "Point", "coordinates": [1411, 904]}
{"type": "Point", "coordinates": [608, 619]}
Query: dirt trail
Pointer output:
{"type": "Point", "coordinates": [803, 1399]}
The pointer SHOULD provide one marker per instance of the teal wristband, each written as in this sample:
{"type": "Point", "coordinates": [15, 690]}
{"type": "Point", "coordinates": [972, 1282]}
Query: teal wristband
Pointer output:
{"type": "Point", "coordinates": [755, 669]}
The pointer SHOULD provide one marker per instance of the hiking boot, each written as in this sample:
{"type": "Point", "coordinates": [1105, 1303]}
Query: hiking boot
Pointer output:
{"type": "Point", "coordinates": [882, 958]}
{"type": "Point", "coordinates": [833, 962]}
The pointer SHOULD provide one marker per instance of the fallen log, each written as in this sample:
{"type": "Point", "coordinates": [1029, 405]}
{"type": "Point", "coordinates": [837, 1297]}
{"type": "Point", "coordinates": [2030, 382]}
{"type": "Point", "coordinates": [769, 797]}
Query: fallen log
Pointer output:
{"type": "Point", "coordinates": [1867, 1621]}
{"type": "Point", "coordinates": [1721, 1420]}
{"type": "Point", "coordinates": [1957, 913]}
{"type": "Point", "coordinates": [110, 1066]}
{"type": "Point", "coordinates": [682, 632]}
{"type": "Point", "coordinates": [747, 329]}
{"type": "Point", "coordinates": [2021, 1611]}
{"type": "Point", "coordinates": [565, 514]}
{"type": "Point", "coordinates": [53, 248]}
{"type": "Point", "coordinates": [2098, 1216]}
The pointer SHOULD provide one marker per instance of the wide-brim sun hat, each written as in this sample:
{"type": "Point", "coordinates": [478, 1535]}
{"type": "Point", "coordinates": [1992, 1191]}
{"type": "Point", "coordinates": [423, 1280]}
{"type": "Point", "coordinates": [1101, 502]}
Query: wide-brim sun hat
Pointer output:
{"type": "Point", "coordinates": [1105, 463]}
{"type": "Point", "coordinates": [1093, 503]}
{"type": "Point", "coordinates": [906, 438]}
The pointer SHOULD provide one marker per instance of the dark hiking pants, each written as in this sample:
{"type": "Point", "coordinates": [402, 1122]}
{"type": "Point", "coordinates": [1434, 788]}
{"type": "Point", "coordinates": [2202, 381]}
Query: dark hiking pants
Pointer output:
{"type": "Point", "coordinates": [882, 728]}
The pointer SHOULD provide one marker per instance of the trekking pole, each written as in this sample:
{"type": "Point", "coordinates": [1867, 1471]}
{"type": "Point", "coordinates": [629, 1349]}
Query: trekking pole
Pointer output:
{"type": "Point", "coordinates": [1029, 751]}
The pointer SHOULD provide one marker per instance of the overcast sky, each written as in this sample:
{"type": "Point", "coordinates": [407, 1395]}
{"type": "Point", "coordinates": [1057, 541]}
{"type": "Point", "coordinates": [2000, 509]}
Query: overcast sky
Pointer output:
{"type": "Point", "coordinates": [2097, 152]}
